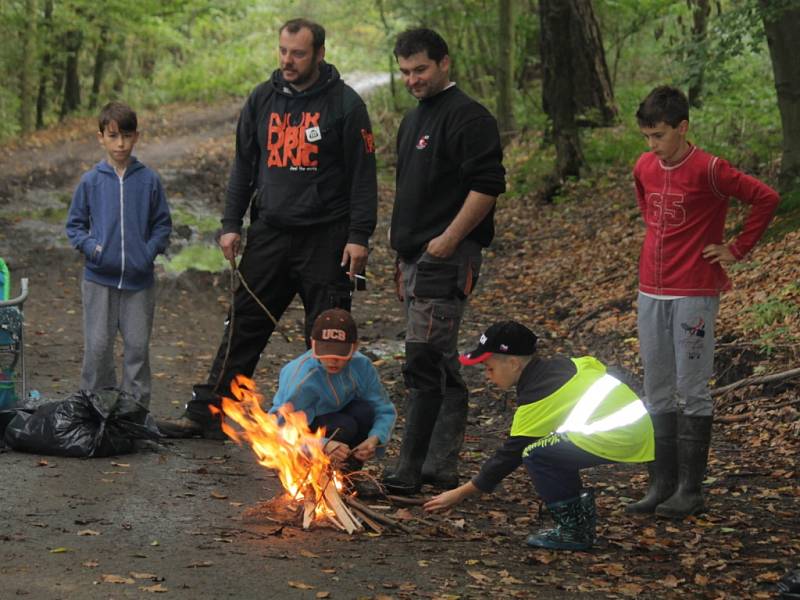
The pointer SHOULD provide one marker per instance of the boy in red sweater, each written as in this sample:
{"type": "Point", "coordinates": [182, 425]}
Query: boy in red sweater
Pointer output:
{"type": "Point", "coordinates": [683, 195]}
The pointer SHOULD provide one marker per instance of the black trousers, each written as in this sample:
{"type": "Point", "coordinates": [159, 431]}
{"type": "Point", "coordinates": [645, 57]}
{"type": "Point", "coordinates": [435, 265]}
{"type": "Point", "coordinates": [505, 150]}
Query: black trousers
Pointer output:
{"type": "Point", "coordinates": [351, 425]}
{"type": "Point", "coordinates": [555, 467]}
{"type": "Point", "coordinates": [277, 265]}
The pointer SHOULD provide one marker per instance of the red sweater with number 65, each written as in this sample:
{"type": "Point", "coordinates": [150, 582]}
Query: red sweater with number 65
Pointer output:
{"type": "Point", "coordinates": [684, 208]}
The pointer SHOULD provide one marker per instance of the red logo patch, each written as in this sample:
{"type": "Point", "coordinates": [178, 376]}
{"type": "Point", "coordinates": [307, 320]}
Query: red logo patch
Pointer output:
{"type": "Point", "coordinates": [423, 142]}
{"type": "Point", "coordinates": [369, 141]}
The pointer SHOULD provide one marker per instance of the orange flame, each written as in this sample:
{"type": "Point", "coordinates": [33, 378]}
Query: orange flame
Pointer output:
{"type": "Point", "coordinates": [281, 441]}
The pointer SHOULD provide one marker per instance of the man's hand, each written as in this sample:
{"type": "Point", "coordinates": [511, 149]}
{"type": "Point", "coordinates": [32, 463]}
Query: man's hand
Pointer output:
{"type": "Point", "coordinates": [338, 451]}
{"type": "Point", "coordinates": [366, 449]}
{"type": "Point", "coordinates": [230, 242]}
{"type": "Point", "coordinates": [451, 497]}
{"type": "Point", "coordinates": [442, 246]}
{"type": "Point", "coordinates": [354, 255]}
{"type": "Point", "coordinates": [718, 253]}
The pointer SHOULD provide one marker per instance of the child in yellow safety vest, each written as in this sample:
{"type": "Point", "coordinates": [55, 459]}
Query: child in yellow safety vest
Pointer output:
{"type": "Point", "coordinates": [571, 414]}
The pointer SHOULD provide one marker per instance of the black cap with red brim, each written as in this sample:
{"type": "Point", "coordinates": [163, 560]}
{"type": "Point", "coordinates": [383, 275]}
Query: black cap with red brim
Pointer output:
{"type": "Point", "coordinates": [509, 338]}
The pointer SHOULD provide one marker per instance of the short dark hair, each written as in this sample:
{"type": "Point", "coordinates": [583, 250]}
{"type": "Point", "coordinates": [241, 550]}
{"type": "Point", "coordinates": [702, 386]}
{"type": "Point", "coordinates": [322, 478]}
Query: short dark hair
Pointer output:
{"type": "Point", "coordinates": [120, 112]}
{"type": "Point", "coordinates": [412, 41]}
{"type": "Point", "coordinates": [317, 30]}
{"type": "Point", "coordinates": [665, 104]}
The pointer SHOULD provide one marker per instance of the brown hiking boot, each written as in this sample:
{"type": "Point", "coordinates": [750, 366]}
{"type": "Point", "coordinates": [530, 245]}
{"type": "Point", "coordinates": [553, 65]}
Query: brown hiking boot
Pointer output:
{"type": "Point", "coordinates": [184, 427]}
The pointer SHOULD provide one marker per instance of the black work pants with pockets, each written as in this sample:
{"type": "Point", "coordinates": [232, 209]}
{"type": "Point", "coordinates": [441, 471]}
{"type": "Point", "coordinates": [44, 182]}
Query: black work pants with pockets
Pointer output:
{"type": "Point", "coordinates": [277, 264]}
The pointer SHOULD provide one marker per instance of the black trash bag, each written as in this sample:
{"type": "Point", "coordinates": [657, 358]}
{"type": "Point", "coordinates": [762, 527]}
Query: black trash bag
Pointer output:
{"type": "Point", "coordinates": [81, 426]}
{"type": "Point", "coordinates": [789, 586]}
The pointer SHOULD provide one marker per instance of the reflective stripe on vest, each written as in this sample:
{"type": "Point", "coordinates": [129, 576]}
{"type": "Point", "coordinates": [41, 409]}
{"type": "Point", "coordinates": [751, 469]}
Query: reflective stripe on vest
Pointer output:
{"type": "Point", "coordinates": [578, 419]}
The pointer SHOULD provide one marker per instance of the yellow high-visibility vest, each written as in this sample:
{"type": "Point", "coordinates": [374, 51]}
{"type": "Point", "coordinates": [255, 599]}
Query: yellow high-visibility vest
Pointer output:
{"type": "Point", "coordinates": [595, 411]}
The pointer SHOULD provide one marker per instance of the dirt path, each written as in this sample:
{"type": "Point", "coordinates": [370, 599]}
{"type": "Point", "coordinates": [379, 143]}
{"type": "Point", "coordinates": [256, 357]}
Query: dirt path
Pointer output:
{"type": "Point", "coordinates": [171, 516]}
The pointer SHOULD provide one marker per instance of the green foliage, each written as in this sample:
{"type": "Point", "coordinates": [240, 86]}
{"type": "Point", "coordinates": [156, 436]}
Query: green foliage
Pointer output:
{"type": "Point", "coordinates": [201, 258]}
{"type": "Point", "coordinates": [770, 318]}
{"type": "Point", "coordinates": [202, 223]}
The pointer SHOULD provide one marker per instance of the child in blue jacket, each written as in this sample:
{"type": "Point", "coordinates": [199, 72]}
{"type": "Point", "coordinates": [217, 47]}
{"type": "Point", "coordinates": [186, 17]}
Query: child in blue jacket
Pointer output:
{"type": "Point", "coordinates": [119, 220]}
{"type": "Point", "coordinates": [338, 388]}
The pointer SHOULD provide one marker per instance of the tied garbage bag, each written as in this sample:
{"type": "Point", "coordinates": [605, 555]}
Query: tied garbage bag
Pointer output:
{"type": "Point", "coordinates": [789, 586]}
{"type": "Point", "coordinates": [80, 426]}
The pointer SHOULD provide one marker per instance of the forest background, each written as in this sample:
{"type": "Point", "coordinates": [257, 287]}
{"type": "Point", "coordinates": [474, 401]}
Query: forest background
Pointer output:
{"type": "Point", "coordinates": [564, 78]}
{"type": "Point", "coordinates": [65, 58]}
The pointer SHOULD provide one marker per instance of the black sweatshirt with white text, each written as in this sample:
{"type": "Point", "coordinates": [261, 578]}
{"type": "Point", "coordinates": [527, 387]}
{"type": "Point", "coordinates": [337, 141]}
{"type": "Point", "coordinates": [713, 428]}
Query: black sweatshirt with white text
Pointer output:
{"type": "Point", "coordinates": [309, 156]}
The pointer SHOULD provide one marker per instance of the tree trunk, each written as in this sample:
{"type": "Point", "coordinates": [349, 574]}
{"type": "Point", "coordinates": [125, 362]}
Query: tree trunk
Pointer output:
{"type": "Point", "coordinates": [72, 85]}
{"type": "Point", "coordinates": [505, 72]}
{"type": "Point", "coordinates": [27, 72]}
{"type": "Point", "coordinates": [100, 59]}
{"type": "Point", "coordinates": [44, 71]}
{"type": "Point", "coordinates": [701, 10]}
{"type": "Point", "coordinates": [594, 96]}
{"type": "Point", "coordinates": [558, 92]}
{"type": "Point", "coordinates": [782, 26]}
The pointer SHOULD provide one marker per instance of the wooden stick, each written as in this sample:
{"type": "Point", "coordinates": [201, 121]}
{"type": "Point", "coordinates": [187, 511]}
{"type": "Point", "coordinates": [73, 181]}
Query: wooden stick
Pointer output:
{"type": "Point", "coordinates": [368, 520]}
{"type": "Point", "coordinates": [756, 380]}
{"type": "Point", "coordinates": [377, 516]}
{"type": "Point", "coordinates": [335, 503]}
{"type": "Point", "coordinates": [406, 501]}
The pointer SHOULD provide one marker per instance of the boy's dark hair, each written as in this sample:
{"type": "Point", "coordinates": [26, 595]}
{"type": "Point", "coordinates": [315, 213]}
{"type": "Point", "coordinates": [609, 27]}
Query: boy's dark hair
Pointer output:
{"type": "Point", "coordinates": [665, 104]}
{"type": "Point", "coordinates": [317, 30]}
{"type": "Point", "coordinates": [120, 112]}
{"type": "Point", "coordinates": [421, 39]}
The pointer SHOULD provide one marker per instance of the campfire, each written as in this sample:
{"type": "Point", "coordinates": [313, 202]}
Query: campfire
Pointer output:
{"type": "Point", "coordinates": [285, 443]}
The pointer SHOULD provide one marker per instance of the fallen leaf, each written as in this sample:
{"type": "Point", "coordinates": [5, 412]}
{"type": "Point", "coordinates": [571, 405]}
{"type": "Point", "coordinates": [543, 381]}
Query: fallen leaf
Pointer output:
{"type": "Point", "coordinates": [118, 464]}
{"type": "Point", "coordinates": [88, 532]}
{"type": "Point", "coordinates": [116, 579]}
{"type": "Point", "coordinates": [479, 577]}
{"type": "Point", "coordinates": [59, 550]}
{"type": "Point", "coordinates": [199, 564]}
{"type": "Point", "coordinates": [308, 553]}
{"type": "Point", "coordinates": [403, 514]}
{"type": "Point", "coordinates": [91, 564]}
{"type": "Point", "coordinates": [323, 595]}
{"type": "Point", "coordinates": [300, 585]}
{"type": "Point", "coordinates": [219, 496]}
{"type": "Point", "coordinates": [154, 589]}
{"type": "Point", "coordinates": [136, 575]}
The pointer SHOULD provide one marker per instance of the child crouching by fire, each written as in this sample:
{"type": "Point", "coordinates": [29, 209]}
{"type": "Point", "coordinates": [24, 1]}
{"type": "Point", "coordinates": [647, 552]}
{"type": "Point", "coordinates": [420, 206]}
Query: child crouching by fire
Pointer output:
{"type": "Point", "coordinates": [338, 388]}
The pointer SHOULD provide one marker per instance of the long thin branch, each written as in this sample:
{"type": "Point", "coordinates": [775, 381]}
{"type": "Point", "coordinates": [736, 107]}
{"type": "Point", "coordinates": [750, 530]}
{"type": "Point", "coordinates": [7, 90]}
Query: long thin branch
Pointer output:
{"type": "Point", "coordinates": [756, 381]}
{"type": "Point", "coordinates": [375, 515]}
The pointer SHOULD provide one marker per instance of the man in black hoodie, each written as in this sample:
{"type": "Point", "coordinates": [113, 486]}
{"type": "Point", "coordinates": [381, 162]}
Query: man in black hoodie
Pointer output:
{"type": "Point", "coordinates": [305, 160]}
{"type": "Point", "coordinates": [449, 174]}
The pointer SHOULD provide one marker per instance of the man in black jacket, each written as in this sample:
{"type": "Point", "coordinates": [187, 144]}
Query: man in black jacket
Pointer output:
{"type": "Point", "coordinates": [449, 174]}
{"type": "Point", "coordinates": [305, 157]}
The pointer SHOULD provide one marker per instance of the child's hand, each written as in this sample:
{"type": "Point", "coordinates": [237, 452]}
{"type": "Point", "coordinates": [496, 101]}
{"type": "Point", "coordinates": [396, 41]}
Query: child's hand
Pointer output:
{"type": "Point", "coordinates": [366, 449]}
{"type": "Point", "coordinates": [718, 253]}
{"type": "Point", "coordinates": [451, 497]}
{"type": "Point", "coordinates": [338, 451]}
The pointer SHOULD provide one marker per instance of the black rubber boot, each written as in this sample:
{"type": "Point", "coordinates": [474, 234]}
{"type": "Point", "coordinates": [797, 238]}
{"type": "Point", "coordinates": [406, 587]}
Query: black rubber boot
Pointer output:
{"type": "Point", "coordinates": [576, 521]}
{"type": "Point", "coordinates": [197, 420]}
{"type": "Point", "coordinates": [421, 414]}
{"type": "Point", "coordinates": [694, 437]}
{"type": "Point", "coordinates": [664, 469]}
{"type": "Point", "coordinates": [441, 465]}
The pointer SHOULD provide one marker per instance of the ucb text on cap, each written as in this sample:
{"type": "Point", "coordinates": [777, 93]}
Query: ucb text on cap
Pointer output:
{"type": "Point", "coordinates": [508, 337]}
{"type": "Point", "coordinates": [334, 332]}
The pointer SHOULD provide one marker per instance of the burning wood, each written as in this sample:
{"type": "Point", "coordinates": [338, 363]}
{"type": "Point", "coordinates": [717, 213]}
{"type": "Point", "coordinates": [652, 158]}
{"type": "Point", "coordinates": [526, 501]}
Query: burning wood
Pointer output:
{"type": "Point", "coordinates": [285, 443]}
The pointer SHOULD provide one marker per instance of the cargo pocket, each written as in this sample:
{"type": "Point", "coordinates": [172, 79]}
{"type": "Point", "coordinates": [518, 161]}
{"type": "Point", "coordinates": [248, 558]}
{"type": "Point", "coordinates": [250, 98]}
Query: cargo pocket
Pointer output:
{"type": "Point", "coordinates": [436, 280]}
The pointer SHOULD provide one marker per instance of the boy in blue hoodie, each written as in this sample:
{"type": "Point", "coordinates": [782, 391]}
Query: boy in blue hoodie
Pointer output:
{"type": "Point", "coordinates": [338, 388]}
{"type": "Point", "coordinates": [119, 220]}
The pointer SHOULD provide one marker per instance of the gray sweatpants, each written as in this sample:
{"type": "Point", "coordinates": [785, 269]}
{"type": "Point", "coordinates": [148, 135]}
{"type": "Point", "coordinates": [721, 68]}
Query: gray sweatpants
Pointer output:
{"type": "Point", "coordinates": [107, 310]}
{"type": "Point", "coordinates": [676, 344]}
